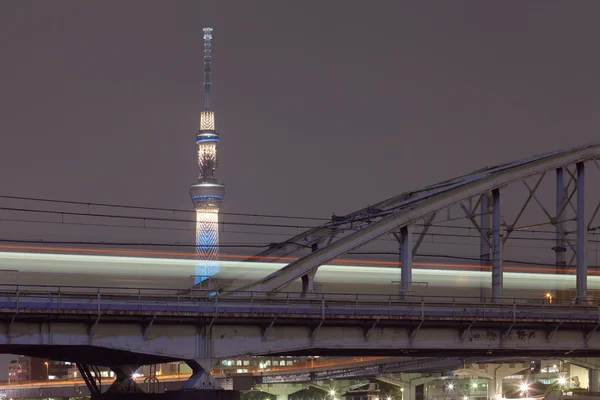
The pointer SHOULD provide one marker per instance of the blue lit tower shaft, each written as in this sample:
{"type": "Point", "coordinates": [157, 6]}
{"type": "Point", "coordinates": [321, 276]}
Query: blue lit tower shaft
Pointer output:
{"type": "Point", "coordinates": [207, 195]}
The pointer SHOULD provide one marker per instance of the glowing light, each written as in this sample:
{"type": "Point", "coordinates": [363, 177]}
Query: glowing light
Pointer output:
{"type": "Point", "coordinates": [450, 386]}
{"type": "Point", "coordinates": [207, 243]}
{"type": "Point", "coordinates": [474, 385]}
{"type": "Point", "coordinates": [562, 381]}
{"type": "Point", "coordinates": [332, 392]}
{"type": "Point", "coordinates": [207, 121]}
{"type": "Point", "coordinates": [466, 398]}
{"type": "Point", "coordinates": [207, 158]}
{"type": "Point", "coordinates": [207, 139]}
{"type": "Point", "coordinates": [136, 375]}
{"type": "Point", "coordinates": [204, 197]}
{"type": "Point", "coordinates": [388, 398]}
{"type": "Point", "coordinates": [524, 387]}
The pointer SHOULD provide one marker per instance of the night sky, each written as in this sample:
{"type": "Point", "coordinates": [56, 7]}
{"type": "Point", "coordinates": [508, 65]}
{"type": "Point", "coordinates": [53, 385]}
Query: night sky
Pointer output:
{"type": "Point", "coordinates": [322, 106]}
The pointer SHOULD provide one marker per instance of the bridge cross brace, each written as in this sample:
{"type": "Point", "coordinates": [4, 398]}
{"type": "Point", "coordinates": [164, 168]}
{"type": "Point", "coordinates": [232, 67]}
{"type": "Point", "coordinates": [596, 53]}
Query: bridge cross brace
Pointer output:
{"type": "Point", "coordinates": [369, 331]}
{"type": "Point", "coordinates": [412, 332]}
{"type": "Point", "coordinates": [315, 331]}
{"type": "Point", "coordinates": [551, 333]}
{"type": "Point", "coordinates": [265, 331]}
{"type": "Point", "coordinates": [146, 328]}
{"type": "Point", "coordinates": [588, 336]}
{"type": "Point", "coordinates": [92, 329]}
{"type": "Point", "coordinates": [464, 332]}
{"type": "Point", "coordinates": [9, 328]}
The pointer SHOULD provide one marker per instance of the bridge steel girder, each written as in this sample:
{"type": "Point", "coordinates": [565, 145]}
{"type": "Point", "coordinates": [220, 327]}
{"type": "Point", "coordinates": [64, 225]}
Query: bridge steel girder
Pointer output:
{"type": "Point", "coordinates": [240, 333]}
{"type": "Point", "coordinates": [328, 231]}
{"type": "Point", "coordinates": [406, 254]}
{"type": "Point", "coordinates": [560, 247]}
{"type": "Point", "coordinates": [581, 278]}
{"type": "Point", "coordinates": [430, 200]}
{"type": "Point", "coordinates": [497, 275]}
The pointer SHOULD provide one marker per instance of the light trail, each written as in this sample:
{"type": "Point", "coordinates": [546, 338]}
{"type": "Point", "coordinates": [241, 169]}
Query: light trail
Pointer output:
{"type": "Point", "coordinates": [103, 268]}
{"type": "Point", "coordinates": [226, 257]}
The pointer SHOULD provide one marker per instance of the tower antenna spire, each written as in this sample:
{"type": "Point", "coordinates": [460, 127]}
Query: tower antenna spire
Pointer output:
{"type": "Point", "coordinates": [207, 61]}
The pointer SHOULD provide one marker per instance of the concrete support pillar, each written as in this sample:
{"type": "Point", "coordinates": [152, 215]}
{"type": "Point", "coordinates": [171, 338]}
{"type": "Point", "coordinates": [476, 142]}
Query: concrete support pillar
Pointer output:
{"type": "Point", "coordinates": [497, 273]}
{"type": "Point", "coordinates": [124, 382]}
{"type": "Point", "coordinates": [200, 378]}
{"type": "Point", "coordinates": [594, 380]}
{"type": "Point", "coordinates": [494, 388]}
{"type": "Point", "coordinates": [406, 260]}
{"type": "Point", "coordinates": [560, 247]}
{"type": "Point", "coordinates": [581, 235]}
{"type": "Point", "coordinates": [308, 282]}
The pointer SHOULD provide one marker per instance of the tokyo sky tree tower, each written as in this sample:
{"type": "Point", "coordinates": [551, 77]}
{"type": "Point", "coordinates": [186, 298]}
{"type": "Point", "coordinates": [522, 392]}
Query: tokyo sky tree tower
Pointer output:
{"type": "Point", "coordinates": [207, 194]}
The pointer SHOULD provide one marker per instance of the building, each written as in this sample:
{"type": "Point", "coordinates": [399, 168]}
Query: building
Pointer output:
{"type": "Point", "coordinates": [207, 194]}
{"type": "Point", "coordinates": [23, 369]}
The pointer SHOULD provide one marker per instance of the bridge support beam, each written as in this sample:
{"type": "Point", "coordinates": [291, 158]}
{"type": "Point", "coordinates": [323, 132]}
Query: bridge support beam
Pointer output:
{"type": "Point", "coordinates": [593, 380]}
{"type": "Point", "coordinates": [484, 247]}
{"type": "Point", "coordinates": [406, 260]}
{"type": "Point", "coordinates": [91, 376]}
{"type": "Point", "coordinates": [581, 235]}
{"type": "Point", "coordinates": [560, 247]}
{"type": "Point", "coordinates": [200, 378]}
{"type": "Point", "coordinates": [308, 279]}
{"type": "Point", "coordinates": [497, 273]}
{"type": "Point", "coordinates": [124, 382]}
{"type": "Point", "coordinates": [308, 282]}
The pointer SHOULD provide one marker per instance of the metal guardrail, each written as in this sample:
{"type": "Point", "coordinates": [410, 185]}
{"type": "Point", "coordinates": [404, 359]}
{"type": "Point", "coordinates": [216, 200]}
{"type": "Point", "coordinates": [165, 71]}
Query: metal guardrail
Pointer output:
{"type": "Point", "coordinates": [28, 298]}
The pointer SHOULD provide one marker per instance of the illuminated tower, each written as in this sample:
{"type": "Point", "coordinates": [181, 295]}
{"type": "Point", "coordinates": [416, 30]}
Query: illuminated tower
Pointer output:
{"type": "Point", "coordinates": [207, 194]}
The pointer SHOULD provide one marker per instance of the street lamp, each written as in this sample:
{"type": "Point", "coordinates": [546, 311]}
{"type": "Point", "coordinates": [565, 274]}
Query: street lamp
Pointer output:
{"type": "Point", "coordinates": [47, 373]}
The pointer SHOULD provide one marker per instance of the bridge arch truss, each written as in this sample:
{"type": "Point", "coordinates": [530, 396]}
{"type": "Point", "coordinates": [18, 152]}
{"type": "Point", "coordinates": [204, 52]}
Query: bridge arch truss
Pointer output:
{"type": "Point", "coordinates": [478, 196]}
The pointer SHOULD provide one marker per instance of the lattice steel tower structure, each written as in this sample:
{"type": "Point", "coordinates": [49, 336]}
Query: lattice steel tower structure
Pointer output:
{"type": "Point", "coordinates": [207, 194]}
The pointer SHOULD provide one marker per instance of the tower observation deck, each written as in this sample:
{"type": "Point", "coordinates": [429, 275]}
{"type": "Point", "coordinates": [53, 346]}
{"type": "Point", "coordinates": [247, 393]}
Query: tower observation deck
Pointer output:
{"type": "Point", "coordinates": [207, 194]}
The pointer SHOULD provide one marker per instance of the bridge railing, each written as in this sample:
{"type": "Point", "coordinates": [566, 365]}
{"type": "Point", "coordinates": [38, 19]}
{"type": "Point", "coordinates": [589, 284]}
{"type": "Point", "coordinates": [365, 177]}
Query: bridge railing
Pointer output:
{"type": "Point", "coordinates": [106, 299]}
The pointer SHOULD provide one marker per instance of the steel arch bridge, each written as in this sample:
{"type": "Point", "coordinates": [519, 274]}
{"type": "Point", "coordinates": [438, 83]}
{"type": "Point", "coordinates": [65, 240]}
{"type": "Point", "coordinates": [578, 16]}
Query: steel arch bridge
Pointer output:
{"type": "Point", "coordinates": [481, 189]}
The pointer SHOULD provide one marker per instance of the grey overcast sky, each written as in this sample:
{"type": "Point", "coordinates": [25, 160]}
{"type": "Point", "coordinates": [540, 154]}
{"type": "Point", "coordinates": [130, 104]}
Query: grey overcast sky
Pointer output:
{"type": "Point", "coordinates": [322, 106]}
